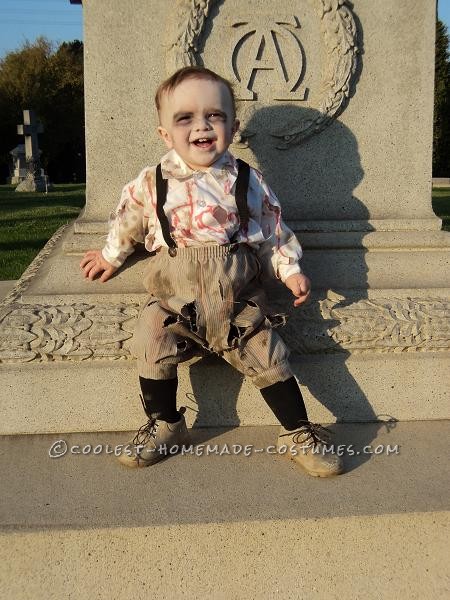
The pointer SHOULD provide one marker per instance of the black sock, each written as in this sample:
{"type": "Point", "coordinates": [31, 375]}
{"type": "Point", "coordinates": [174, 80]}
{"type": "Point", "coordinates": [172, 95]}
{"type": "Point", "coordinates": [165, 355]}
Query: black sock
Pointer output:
{"type": "Point", "coordinates": [160, 398]}
{"type": "Point", "coordinates": [286, 402]}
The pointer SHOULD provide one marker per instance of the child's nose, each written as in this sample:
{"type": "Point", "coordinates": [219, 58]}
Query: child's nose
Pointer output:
{"type": "Point", "coordinates": [202, 123]}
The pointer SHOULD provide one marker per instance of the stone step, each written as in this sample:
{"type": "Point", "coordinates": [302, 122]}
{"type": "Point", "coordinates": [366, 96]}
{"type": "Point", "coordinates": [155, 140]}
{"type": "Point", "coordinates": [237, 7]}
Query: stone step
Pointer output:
{"type": "Point", "coordinates": [312, 559]}
{"type": "Point", "coordinates": [104, 395]}
{"type": "Point", "coordinates": [370, 240]}
{"type": "Point", "coordinates": [383, 241]}
{"type": "Point", "coordinates": [412, 265]}
{"type": "Point", "coordinates": [227, 526]}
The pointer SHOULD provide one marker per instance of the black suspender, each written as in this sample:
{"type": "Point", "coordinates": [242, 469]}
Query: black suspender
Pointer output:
{"type": "Point", "coordinates": [241, 192]}
{"type": "Point", "coordinates": [161, 195]}
{"type": "Point", "coordinates": [240, 195]}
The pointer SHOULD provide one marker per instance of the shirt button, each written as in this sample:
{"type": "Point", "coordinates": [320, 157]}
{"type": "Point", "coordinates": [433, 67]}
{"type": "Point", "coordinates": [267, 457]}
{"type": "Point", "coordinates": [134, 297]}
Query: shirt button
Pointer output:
{"type": "Point", "coordinates": [201, 203]}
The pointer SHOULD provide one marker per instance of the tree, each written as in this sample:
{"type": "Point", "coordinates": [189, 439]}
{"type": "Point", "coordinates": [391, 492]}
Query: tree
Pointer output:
{"type": "Point", "coordinates": [50, 81]}
{"type": "Point", "coordinates": [64, 144]}
{"type": "Point", "coordinates": [441, 133]}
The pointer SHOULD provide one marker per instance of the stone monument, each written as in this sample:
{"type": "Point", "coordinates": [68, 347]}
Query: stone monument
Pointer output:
{"type": "Point", "coordinates": [336, 108]}
{"type": "Point", "coordinates": [19, 169]}
{"type": "Point", "coordinates": [34, 180]}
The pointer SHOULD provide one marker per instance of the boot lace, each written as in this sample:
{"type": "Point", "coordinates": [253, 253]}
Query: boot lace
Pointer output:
{"type": "Point", "coordinates": [147, 431]}
{"type": "Point", "coordinates": [315, 433]}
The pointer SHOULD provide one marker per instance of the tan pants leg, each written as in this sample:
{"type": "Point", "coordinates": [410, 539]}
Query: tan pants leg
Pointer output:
{"type": "Point", "coordinates": [263, 357]}
{"type": "Point", "coordinates": [157, 348]}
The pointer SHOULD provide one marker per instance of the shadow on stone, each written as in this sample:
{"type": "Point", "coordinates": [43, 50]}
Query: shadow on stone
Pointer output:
{"type": "Point", "coordinates": [331, 173]}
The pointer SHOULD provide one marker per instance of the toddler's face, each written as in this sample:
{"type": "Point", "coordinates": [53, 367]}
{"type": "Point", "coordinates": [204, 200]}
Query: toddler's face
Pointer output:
{"type": "Point", "coordinates": [197, 120]}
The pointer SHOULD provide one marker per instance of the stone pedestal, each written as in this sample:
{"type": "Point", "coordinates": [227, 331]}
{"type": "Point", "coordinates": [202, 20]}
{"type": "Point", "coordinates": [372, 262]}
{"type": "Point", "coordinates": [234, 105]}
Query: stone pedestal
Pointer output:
{"type": "Point", "coordinates": [31, 184]}
{"type": "Point", "coordinates": [21, 171]}
{"type": "Point", "coordinates": [340, 122]}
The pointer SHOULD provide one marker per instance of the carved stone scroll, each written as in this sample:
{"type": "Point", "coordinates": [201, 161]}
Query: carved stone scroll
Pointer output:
{"type": "Point", "coordinates": [86, 332]}
{"type": "Point", "coordinates": [69, 332]}
{"type": "Point", "coordinates": [381, 325]}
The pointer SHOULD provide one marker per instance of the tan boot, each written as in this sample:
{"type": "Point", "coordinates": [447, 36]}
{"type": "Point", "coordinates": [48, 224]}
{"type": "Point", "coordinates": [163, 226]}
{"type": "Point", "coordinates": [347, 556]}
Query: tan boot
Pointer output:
{"type": "Point", "coordinates": [309, 447]}
{"type": "Point", "coordinates": [155, 441]}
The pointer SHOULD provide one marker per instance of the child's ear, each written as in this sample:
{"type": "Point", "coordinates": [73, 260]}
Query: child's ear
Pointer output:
{"type": "Point", "coordinates": [165, 135]}
{"type": "Point", "coordinates": [236, 126]}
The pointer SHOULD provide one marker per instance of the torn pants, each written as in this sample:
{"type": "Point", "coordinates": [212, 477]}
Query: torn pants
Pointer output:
{"type": "Point", "coordinates": [208, 299]}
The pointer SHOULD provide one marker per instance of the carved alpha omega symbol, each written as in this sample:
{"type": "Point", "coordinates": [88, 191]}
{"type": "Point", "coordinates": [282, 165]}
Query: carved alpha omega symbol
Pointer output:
{"type": "Point", "coordinates": [266, 41]}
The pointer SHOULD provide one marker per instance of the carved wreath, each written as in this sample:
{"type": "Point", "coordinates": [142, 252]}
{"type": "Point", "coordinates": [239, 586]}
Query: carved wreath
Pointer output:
{"type": "Point", "coordinates": [340, 36]}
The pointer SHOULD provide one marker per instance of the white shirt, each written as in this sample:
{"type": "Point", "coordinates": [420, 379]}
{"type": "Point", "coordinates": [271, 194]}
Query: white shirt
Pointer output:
{"type": "Point", "coordinates": [201, 209]}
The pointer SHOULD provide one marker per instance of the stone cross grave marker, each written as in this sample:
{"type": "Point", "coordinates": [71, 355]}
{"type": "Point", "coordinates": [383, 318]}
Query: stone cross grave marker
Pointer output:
{"type": "Point", "coordinates": [34, 181]}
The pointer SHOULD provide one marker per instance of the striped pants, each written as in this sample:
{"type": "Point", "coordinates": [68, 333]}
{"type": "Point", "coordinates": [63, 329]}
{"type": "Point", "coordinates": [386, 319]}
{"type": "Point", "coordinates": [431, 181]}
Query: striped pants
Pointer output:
{"type": "Point", "coordinates": [208, 299]}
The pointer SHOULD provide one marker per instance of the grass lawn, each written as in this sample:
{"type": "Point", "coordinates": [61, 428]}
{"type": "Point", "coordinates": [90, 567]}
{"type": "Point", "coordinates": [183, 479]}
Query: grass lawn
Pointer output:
{"type": "Point", "coordinates": [29, 220]}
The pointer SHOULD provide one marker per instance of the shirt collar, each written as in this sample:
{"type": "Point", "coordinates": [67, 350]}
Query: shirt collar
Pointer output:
{"type": "Point", "coordinates": [224, 169]}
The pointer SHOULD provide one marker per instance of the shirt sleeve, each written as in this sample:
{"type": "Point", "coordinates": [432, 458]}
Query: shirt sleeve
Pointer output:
{"type": "Point", "coordinates": [280, 252]}
{"type": "Point", "coordinates": [127, 222]}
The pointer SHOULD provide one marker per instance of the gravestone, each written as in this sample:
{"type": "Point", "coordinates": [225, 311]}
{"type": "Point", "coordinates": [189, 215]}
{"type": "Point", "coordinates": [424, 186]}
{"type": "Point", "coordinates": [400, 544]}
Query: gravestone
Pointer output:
{"type": "Point", "coordinates": [19, 166]}
{"type": "Point", "coordinates": [34, 181]}
{"type": "Point", "coordinates": [336, 108]}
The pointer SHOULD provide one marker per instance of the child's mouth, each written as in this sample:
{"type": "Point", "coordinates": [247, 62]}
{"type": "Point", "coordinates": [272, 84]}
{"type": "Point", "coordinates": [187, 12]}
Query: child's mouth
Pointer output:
{"type": "Point", "coordinates": [204, 143]}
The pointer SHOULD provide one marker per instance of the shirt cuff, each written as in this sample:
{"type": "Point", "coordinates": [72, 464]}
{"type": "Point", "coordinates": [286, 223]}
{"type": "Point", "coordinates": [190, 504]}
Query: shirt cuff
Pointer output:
{"type": "Point", "coordinates": [285, 271]}
{"type": "Point", "coordinates": [116, 260]}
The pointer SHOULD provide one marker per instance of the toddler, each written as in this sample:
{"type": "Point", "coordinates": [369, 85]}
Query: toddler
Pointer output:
{"type": "Point", "coordinates": [214, 230]}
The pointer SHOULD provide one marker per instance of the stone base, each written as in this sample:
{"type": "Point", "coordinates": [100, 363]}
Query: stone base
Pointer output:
{"type": "Point", "coordinates": [104, 395]}
{"type": "Point", "coordinates": [361, 353]}
{"type": "Point", "coordinates": [441, 182]}
{"type": "Point", "coordinates": [31, 185]}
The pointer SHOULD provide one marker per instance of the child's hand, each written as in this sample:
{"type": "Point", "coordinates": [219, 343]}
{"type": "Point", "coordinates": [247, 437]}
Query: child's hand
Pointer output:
{"type": "Point", "coordinates": [94, 263]}
{"type": "Point", "coordinates": [300, 286]}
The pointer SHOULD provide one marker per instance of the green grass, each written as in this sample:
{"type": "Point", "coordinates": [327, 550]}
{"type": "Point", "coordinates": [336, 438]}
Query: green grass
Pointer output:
{"type": "Point", "coordinates": [441, 205]}
{"type": "Point", "coordinates": [28, 221]}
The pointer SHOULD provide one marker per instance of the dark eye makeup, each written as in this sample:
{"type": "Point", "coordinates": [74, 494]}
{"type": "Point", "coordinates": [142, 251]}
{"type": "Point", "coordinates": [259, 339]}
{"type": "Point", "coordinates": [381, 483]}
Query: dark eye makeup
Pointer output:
{"type": "Point", "coordinates": [214, 115]}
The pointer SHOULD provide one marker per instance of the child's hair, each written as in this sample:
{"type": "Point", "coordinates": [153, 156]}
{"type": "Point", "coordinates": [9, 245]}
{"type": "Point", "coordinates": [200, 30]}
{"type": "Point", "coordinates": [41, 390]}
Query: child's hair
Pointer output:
{"type": "Point", "coordinates": [194, 72]}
